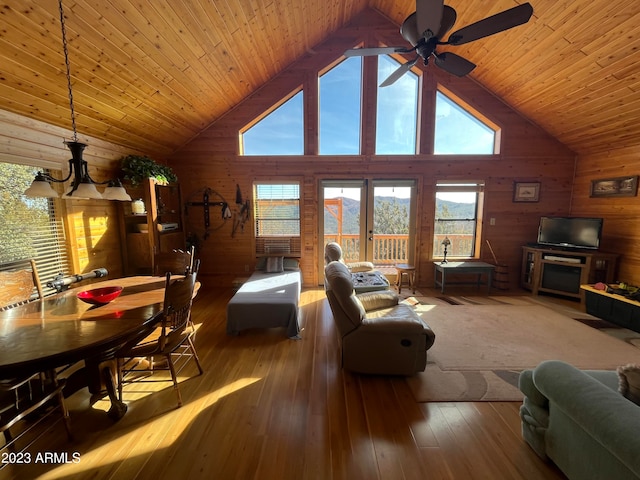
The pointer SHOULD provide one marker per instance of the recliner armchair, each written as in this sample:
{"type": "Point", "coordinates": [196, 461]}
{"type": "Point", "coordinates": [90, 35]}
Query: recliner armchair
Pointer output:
{"type": "Point", "coordinates": [333, 253]}
{"type": "Point", "coordinates": [377, 334]}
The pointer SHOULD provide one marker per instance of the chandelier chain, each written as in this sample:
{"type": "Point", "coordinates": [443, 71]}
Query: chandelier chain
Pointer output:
{"type": "Point", "coordinates": [66, 61]}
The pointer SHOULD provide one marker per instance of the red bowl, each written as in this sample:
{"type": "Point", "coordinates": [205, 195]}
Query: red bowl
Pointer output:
{"type": "Point", "coordinates": [100, 296]}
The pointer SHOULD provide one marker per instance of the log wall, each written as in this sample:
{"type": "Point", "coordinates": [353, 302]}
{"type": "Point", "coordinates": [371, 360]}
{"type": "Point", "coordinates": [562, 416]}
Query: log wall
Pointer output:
{"type": "Point", "coordinates": [621, 228]}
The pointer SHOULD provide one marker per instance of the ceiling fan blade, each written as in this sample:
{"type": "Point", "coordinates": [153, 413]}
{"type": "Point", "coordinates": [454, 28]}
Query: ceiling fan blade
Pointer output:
{"type": "Point", "coordinates": [428, 17]}
{"type": "Point", "coordinates": [409, 30]}
{"type": "Point", "coordinates": [400, 71]}
{"type": "Point", "coordinates": [449, 16]}
{"type": "Point", "coordinates": [454, 64]}
{"type": "Point", "coordinates": [365, 52]}
{"type": "Point", "coordinates": [497, 23]}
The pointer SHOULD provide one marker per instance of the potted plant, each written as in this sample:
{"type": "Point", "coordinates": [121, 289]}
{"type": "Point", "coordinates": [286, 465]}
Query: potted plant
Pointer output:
{"type": "Point", "coordinates": [138, 167]}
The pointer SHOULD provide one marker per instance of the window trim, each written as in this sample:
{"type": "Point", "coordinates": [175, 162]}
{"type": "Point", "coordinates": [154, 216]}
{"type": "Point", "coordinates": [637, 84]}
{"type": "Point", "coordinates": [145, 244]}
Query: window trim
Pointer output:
{"type": "Point", "coordinates": [417, 112]}
{"type": "Point", "coordinates": [287, 244]}
{"type": "Point", "coordinates": [360, 131]}
{"type": "Point", "coordinates": [258, 118]}
{"type": "Point", "coordinates": [474, 112]}
{"type": "Point", "coordinates": [461, 186]}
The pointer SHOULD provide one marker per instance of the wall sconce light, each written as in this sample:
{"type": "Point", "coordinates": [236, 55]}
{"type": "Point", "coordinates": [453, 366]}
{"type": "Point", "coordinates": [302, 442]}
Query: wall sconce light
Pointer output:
{"type": "Point", "coordinates": [82, 186]}
{"type": "Point", "coordinates": [446, 242]}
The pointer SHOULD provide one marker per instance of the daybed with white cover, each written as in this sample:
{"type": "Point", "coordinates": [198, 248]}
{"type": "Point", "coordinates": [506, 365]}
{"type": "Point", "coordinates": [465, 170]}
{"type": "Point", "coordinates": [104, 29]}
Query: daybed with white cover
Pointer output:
{"type": "Point", "coordinates": [268, 299]}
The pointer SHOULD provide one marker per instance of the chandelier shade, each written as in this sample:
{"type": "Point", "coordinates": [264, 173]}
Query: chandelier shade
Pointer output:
{"type": "Point", "coordinates": [40, 187]}
{"type": "Point", "coordinates": [115, 191]}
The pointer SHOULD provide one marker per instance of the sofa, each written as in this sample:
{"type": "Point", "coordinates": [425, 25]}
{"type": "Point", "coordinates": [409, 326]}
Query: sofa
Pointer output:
{"type": "Point", "coordinates": [378, 335]}
{"type": "Point", "coordinates": [580, 421]}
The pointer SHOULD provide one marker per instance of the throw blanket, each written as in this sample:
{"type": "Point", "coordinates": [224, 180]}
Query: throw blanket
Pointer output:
{"type": "Point", "coordinates": [266, 300]}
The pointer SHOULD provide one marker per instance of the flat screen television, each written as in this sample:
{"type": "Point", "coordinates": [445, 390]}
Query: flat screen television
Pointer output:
{"type": "Point", "coordinates": [570, 232]}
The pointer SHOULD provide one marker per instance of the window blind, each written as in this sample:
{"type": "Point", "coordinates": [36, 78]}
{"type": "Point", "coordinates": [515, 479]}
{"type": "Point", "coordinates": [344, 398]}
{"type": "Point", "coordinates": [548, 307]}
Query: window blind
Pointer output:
{"type": "Point", "coordinates": [277, 209]}
{"type": "Point", "coordinates": [32, 227]}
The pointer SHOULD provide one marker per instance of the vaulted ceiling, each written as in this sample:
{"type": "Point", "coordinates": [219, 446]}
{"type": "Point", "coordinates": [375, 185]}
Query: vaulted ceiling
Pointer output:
{"type": "Point", "coordinates": [152, 74]}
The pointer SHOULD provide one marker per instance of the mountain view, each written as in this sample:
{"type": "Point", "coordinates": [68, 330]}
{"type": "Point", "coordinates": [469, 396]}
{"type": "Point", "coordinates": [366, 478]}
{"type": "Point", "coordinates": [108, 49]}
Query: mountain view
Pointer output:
{"type": "Point", "coordinates": [391, 215]}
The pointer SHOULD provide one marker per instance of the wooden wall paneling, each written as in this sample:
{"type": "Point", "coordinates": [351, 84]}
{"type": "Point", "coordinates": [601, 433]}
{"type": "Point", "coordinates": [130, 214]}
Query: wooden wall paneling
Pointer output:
{"type": "Point", "coordinates": [621, 230]}
{"type": "Point", "coordinates": [369, 102]}
{"type": "Point", "coordinates": [311, 117]}
{"type": "Point", "coordinates": [426, 204]}
{"type": "Point", "coordinates": [94, 237]}
{"type": "Point", "coordinates": [311, 242]}
{"type": "Point", "coordinates": [427, 119]}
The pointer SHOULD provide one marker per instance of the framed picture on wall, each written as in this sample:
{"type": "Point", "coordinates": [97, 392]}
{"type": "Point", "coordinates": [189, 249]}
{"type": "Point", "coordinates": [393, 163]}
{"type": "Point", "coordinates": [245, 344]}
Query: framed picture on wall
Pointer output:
{"type": "Point", "coordinates": [526, 191]}
{"type": "Point", "coordinates": [615, 187]}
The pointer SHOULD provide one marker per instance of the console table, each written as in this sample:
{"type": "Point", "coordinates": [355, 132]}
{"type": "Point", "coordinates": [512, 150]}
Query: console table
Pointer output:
{"type": "Point", "coordinates": [612, 307]}
{"type": "Point", "coordinates": [462, 268]}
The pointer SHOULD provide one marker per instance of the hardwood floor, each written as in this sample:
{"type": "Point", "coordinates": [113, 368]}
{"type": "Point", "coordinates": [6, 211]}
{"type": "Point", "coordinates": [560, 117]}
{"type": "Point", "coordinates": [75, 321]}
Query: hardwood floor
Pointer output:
{"type": "Point", "coordinates": [272, 408]}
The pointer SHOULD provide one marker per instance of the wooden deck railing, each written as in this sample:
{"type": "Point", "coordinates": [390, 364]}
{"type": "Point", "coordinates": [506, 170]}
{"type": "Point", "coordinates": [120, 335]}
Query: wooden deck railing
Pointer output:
{"type": "Point", "coordinates": [392, 249]}
{"type": "Point", "coordinates": [387, 249]}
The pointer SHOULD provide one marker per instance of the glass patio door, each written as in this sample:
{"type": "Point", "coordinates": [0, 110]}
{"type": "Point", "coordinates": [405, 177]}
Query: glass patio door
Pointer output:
{"type": "Point", "coordinates": [393, 220]}
{"type": "Point", "coordinates": [371, 219]}
{"type": "Point", "coordinates": [343, 212]}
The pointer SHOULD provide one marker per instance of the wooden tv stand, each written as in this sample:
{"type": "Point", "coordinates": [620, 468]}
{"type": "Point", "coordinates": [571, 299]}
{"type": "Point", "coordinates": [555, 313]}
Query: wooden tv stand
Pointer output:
{"type": "Point", "coordinates": [561, 272]}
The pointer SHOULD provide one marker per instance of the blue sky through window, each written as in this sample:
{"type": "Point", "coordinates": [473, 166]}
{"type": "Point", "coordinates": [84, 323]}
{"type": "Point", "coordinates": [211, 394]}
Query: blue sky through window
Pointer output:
{"type": "Point", "coordinates": [339, 107]}
{"type": "Point", "coordinates": [279, 133]}
{"type": "Point", "coordinates": [397, 111]}
{"type": "Point", "coordinates": [459, 132]}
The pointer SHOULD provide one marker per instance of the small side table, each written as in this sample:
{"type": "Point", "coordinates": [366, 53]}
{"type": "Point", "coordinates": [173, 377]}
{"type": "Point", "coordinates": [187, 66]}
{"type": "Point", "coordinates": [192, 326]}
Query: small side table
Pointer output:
{"type": "Point", "coordinates": [403, 269]}
{"type": "Point", "coordinates": [461, 268]}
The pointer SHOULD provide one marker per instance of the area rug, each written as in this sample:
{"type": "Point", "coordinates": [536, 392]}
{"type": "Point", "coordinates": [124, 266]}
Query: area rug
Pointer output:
{"type": "Point", "coordinates": [480, 349]}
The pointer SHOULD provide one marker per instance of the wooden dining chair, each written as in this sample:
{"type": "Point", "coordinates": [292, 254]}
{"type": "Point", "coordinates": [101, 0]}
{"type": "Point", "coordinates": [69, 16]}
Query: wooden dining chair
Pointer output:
{"type": "Point", "coordinates": [174, 343]}
{"type": "Point", "coordinates": [176, 262]}
{"type": "Point", "coordinates": [19, 283]}
{"type": "Point", "coordinates": [23, 395]}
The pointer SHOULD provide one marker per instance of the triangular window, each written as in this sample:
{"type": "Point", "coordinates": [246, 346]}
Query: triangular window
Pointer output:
{"type": "Point", "coordinates": [460, 130]}
{"type": "Point", "coordinates": [280, 132]}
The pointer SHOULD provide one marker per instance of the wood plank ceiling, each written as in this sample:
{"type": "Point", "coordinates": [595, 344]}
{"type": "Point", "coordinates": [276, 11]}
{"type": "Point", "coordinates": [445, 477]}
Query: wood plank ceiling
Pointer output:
{"type": "Point", "coordinates": [152, 74]}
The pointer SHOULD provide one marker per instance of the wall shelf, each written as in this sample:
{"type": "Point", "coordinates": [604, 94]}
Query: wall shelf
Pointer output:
{"type": "Point", "coordinates": [160, 229]}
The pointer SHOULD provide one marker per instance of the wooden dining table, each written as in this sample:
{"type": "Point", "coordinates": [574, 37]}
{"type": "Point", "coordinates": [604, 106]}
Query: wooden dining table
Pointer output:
{"type": "Point", "coordinates": [61, 329]}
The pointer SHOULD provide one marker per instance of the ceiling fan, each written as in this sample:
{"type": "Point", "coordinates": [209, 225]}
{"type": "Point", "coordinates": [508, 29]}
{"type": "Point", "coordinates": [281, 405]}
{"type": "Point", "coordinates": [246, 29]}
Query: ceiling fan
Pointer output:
{"type": "Point", "coordinates": [425, 28]}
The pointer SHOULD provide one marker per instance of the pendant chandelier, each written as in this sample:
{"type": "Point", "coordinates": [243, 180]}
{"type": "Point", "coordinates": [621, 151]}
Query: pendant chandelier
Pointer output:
{"type": "Point", "coordinates": [82, 186]}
